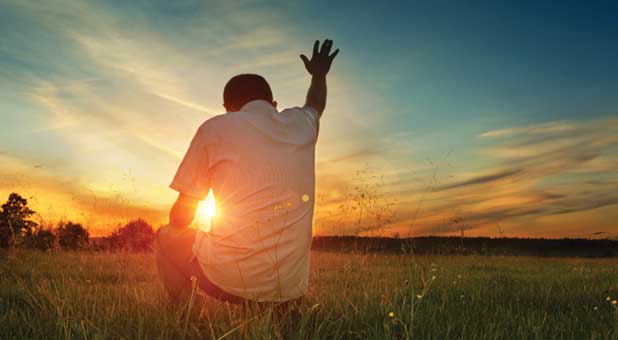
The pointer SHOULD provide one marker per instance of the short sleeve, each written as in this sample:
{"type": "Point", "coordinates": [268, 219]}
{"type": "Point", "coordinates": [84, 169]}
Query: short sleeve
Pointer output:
{"type": "Point", "coordinates": [192, 177]}
{"type": "Point", "coordinates": [310, 115]}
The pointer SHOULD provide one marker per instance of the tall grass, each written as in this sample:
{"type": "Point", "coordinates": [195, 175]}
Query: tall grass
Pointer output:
{"type": "Point", "coordinates": [369, 296]}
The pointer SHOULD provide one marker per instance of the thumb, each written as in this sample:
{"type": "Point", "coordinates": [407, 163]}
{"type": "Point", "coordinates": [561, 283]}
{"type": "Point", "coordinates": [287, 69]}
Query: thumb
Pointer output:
{"type": "Point", "coordinates": [305, 60]}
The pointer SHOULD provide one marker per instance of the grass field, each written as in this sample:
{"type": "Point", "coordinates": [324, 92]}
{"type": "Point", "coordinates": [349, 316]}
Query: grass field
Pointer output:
{"type": "Point", "coordinates": [112, 296]}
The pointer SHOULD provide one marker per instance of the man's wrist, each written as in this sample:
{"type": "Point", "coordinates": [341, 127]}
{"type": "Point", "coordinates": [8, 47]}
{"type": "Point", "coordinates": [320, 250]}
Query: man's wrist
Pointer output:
{"type": "Point", "coordinates": [177, 226]}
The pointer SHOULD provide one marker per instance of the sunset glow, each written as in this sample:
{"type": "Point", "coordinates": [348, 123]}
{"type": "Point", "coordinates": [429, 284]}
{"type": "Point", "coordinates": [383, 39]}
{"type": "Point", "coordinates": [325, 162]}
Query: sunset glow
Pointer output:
{"type": "Point", "coordinates": [100, 101]}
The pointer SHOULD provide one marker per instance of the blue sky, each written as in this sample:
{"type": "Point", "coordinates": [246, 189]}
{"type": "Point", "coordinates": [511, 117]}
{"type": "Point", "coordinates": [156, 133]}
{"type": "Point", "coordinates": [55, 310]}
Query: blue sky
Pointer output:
{"type": "Point", "coordinates": [499, 113]}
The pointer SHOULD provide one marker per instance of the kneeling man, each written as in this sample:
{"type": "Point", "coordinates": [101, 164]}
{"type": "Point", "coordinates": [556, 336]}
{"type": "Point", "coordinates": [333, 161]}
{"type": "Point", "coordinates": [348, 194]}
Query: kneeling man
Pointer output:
{"type": "Point", "coordinates": [260, 164]}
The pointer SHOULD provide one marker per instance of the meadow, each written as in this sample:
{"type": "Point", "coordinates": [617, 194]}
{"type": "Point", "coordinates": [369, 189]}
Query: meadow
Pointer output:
{"type": "Point", "coordinates": [100, 295]}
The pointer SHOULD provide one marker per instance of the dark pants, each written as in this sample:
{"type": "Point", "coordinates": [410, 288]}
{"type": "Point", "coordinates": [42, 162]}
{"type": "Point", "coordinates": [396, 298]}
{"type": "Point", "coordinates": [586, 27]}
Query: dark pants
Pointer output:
{"type": "Point", "coordinates": [177, 265]}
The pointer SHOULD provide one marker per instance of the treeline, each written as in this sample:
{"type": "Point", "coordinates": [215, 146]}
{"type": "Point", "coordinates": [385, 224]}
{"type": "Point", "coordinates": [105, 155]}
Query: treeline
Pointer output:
{"type": "Point", "coordinates": [19, 231]}
{"type": "Point", "coordinates": [434, 245]}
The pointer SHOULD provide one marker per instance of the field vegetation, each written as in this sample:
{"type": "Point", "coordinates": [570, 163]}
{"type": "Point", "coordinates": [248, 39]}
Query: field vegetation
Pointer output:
{"type": "Point", "coordinates": [117, 295]}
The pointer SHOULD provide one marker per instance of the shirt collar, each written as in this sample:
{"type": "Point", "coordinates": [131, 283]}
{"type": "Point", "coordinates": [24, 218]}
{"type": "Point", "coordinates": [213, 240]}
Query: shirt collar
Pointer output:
{"type": "Point", "coordinates": [258, 106]}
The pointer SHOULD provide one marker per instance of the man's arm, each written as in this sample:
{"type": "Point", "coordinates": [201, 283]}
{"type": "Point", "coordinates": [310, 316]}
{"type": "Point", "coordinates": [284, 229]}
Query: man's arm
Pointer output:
{"type": "Point", "coordinates": [183, 211]}
{"type": "Point", "coordinates": [318, 67]}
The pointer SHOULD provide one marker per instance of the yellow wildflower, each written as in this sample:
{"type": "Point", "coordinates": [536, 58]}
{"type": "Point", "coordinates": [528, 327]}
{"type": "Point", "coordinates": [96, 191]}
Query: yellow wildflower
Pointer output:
{"type": "Point", "coordinates": [391, 315]}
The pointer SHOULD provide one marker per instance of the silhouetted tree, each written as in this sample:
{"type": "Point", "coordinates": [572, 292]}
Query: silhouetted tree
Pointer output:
{"type": "Point", "coordinates": [72, 236]}
{"type": "Point", "coordinates": [41, 239]}
{"type": "Point", "coordinates": [137, 235]}
{"type": "Point", "coordinates": [14, 220]}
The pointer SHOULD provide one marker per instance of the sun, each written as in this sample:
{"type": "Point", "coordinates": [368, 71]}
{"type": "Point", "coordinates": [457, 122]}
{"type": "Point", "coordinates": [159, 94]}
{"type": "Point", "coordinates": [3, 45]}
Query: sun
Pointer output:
{"type": "Point", "coordinates": [207, 207]}
{"type": "Point", "coordinates": [206, 211]}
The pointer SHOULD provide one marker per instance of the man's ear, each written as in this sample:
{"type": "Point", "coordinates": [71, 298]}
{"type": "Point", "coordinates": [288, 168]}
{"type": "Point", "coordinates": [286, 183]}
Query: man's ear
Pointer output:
{"type": "Point", "coordinates": [274, 104]}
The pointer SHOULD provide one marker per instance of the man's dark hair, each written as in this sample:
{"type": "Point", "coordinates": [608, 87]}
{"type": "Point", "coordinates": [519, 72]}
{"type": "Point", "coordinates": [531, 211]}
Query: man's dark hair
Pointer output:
{"type": "Point", "coordinates": [244, 88]}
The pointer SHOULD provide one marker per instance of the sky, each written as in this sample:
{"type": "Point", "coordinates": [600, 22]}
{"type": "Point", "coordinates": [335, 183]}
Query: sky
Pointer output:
{"type": "Point", "coordinates": [482, 117]}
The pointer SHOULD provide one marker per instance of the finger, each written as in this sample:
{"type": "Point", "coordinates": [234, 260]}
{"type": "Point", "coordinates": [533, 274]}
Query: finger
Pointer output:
{"type": "Point", "coordinates": [305, 60]}
{"type": "Point", "coordinates": [332, 56]}
{"type": "Point", "coordinates": [326, 47]}
{"type": "Point", "coordinates": [316, 44]}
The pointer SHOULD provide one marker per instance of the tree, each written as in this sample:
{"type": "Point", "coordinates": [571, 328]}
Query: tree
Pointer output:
{"type": "Point", "coordinates": [136, 235]}
{"type": "Point", "coordinates": [72, 236]}
{"type": "Point", "coordinates": [14, 220]}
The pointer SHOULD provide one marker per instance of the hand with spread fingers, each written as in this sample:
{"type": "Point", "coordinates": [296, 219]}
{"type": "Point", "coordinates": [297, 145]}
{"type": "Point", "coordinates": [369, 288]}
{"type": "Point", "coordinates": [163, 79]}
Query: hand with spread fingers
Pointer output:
{"type": "Point", "coordinates": [321, 59]}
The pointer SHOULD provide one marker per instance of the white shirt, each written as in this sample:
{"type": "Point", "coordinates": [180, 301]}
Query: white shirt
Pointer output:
{"type": "Point", "coordinates": [260, 164]}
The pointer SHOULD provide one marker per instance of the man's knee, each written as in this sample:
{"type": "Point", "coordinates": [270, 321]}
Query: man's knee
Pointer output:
{"type": "Point", "coordinates": [173, 280]}
{"type": "Point", "coordinates": [173, 251]}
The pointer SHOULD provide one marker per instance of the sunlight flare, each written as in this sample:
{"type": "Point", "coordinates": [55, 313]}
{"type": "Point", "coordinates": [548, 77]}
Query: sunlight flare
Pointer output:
{"type": "Point", "coordinates": [206, 211]}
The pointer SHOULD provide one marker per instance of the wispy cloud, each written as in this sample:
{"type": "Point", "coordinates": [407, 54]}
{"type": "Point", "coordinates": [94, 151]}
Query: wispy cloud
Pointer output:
{"type": "Point", "coordinates": [539, 129]}
{"type": "Point", "coordinates": [481, 179]}
{"type": "Point", "coordinates": [535, 172]}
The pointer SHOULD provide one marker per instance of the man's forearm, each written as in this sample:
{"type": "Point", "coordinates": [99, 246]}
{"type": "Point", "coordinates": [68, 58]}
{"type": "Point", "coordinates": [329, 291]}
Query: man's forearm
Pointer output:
{"type": "Point", "coordinates": [183, 212]}
{"type": "Point", "coordinates": [316, 95]}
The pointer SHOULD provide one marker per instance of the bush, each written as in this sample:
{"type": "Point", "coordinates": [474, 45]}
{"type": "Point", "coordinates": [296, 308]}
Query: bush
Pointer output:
{"type": "Point", "coordinates": [137, 235]}
{"type": "Point", "coordinates": [41, 239]}
{"type": "Point", "coordinates": [72, 236]}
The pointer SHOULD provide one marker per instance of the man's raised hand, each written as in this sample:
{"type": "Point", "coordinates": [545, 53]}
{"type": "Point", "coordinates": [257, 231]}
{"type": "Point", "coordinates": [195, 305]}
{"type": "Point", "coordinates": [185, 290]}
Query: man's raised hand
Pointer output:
{"type": "Point", "coordinates": [320, 62]}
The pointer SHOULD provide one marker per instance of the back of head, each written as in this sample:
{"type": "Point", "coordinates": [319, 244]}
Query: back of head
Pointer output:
{"type": "Point", "coordinates": [244, 88]}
